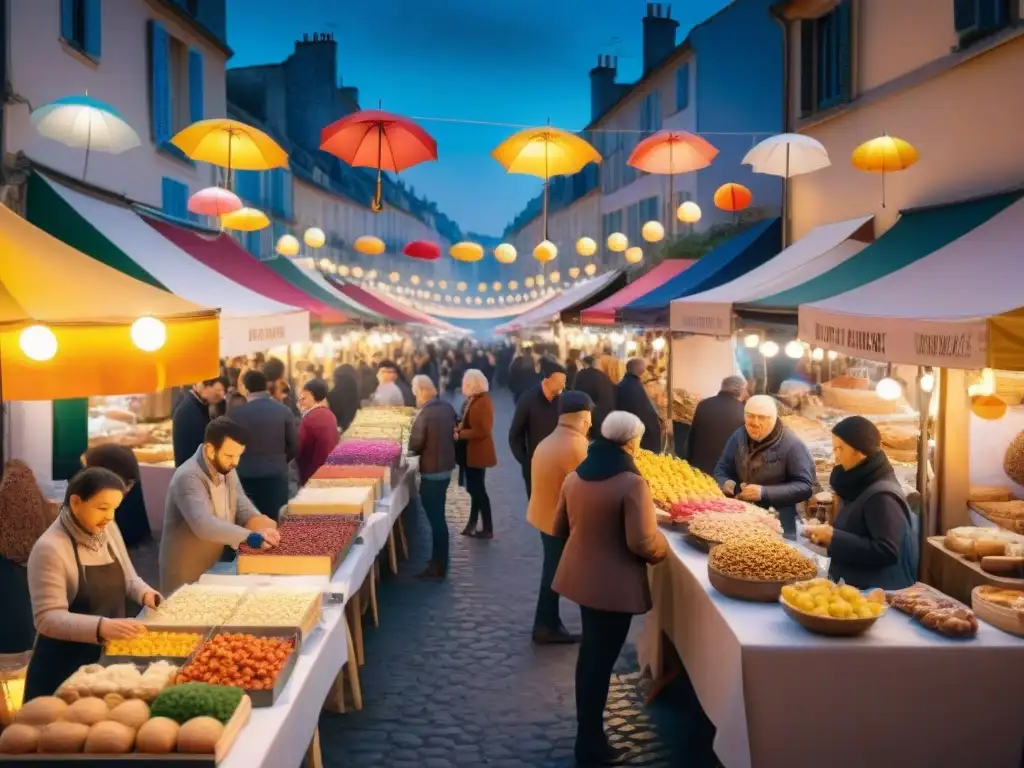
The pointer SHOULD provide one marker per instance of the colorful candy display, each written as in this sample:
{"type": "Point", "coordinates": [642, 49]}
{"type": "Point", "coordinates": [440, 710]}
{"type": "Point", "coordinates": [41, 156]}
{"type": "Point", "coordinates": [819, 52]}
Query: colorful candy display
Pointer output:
{"type": "Point", "coordinates": [309, 535]}
{"type": "Point", "coordinates": [244, 661]}
{"type": "Point", "coordinates": [379, 453]}
{"type": "Point", "coordinates": [171, 644]}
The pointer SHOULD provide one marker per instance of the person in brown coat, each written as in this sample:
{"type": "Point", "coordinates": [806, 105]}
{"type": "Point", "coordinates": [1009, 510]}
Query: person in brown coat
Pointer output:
{"type": "Point", "coordinates": [476, 430]}
{"type": "Point", "coordinates": [556, 456]}
{"type": "Point", "coordinates": [607, 513]}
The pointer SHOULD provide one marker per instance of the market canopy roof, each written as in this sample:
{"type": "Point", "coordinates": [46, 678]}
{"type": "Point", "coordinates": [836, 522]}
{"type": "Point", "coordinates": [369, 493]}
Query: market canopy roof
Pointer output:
{"type": "Point", "coordinates": [221, 253]}
{"type": "Point", "coordinates": [551, 309]}
{"type": "Point", "coordinates": [368, 300]}
{"type": "Point", "coordinates": [571, 314]}
{"type": "Point", "coordinates": [736, 256]}
{"type": "Point", "coordinates": [90, 308]}
{"type": "Point", "coordinates": [960, 306]}
{"type": "Point", "coordinates": [710, 312]}
{"type": "Point", "coordinates": [249, 322]}
{"type": "Point", "coordinates": [306, 280]}
{"type": "Point", "coordinates": [603, 313]}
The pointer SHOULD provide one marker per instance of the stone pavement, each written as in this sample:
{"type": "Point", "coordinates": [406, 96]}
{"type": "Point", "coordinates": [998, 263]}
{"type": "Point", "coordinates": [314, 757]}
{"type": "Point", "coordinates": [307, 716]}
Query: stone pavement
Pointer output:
{"type": "Point", "coordinates": [452, 680]}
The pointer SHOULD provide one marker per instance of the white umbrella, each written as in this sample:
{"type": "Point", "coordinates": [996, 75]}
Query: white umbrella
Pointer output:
{"type": "Point", "coordinates": [787, 155]}
{"type": "Point", "coordinates": [81, 121]}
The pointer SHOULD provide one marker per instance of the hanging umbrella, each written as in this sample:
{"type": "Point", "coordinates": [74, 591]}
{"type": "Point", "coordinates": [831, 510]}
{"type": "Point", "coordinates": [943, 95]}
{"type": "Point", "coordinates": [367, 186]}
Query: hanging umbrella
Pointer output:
{"type": "Point", "coordinates": [885, 154]}
{"type": "Point", "coordinates": [84, 122]}
{"type": "Point", "coordinates": [245, 220]}
{"type": "Point", "coordinates": [422, 249]}
{"type": "Point", "coordinates": [372, 138]}
{"type": "Point", "coordinates": [214, 201]}
{"type": "Point", "coordinates": [230, 144]}
{"type": "Point", "coordinates": [671, 152]}
{"type": "Point", "coordinates": [545, 152]}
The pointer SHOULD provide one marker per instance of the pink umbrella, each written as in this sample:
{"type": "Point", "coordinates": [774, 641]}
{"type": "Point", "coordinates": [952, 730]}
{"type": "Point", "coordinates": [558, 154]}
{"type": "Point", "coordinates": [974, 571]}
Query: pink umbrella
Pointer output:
{"type": "Point", "coordinates": [214, 201]}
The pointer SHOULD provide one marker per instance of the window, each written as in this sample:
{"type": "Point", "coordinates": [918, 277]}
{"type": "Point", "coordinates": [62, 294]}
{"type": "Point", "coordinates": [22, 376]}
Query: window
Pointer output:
{"type": "Point", "coordinates": [176, 86]}
{"type": "Point", "coordinates": [650, 113]}
{"type": "Point", "coordinates": [683, 87]}
{"type": "Point", "coordinates": [649, 210]}
{"type": "Point", "coordinates": [174, 198]}
{"type": "Point", "coordinates": [81, 25]}
{"type": "Point", "coordinates": [633, 224]}
{"type": "Point", "coordinates": [825, 60]}
{"type": "Point", "coordinates": [975, 19]}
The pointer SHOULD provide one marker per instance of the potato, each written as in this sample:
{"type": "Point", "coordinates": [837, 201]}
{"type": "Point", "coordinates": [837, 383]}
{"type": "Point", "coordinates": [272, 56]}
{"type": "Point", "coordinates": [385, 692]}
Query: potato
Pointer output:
{"type": "Point", "coordinates": [199, 735]}
{"type": "Point", "coordinates": [63, 738]}
{"type": "Point", "coordinates": [110, 738]}
{"type": "Point", "coordinates": [88, 711]}
{"type": "Point", "coordinates": [42, 711]}
{"type": "Point", "coordinates": [157, 736]}
{"type": "Point", "coordinates": [19, 739]}
{"type": "Point", "coordinates": [132, 713]}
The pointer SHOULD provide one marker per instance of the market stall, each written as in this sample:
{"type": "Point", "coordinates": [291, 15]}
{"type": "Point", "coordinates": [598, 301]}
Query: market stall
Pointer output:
{"type": "Point", "coordinates": [605, 311]}
{"type": "Point", "coordinates": [550, 311]}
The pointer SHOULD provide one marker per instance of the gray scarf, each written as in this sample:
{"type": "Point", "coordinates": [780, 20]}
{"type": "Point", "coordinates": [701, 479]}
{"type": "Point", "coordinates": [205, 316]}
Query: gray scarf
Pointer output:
{"type": "Point", "coordinates": [94, 542]}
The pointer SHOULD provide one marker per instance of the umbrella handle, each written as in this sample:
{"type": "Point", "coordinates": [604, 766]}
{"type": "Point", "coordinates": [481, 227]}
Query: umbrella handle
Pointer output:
{"type": "Point", "coordinates": [377, 204]}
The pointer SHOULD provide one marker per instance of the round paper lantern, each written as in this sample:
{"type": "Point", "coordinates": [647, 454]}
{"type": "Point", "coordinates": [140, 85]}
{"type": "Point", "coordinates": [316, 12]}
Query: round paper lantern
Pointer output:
{"type": "Point", "coordinates": [214, 201]}
{"type": "Point", "coordinates": [482, 287]}
{"type": "Point", "coordinates": [442, 284]}
{"type": "Point", "coordinates": [343, 270]}
{"type": "Point", "coordinates": [314, 237]}
{"type": "Point", "coordinates": [496, 286]}
{"type": "Point", "coordinates": [478, 301]}
{"type": "Point", "coordinates": [585, 246]}
{"type": "Point", "coordinates": [689, 212]}
{"type": "Point", "coordinates": [287, 245]}
{"type": "Point", "coordinates": [460, 286]}
{"type": "Point", "coordinates": [245, 220]}
{"type": "Point", "coordinates": [38, 343]}
{"type": "Point", "coordinates": [357, 272]}
{"type": "Point", "coordinates": [545, 251]}
{"type": "Point", "coordinates": [590, 270]}
{"type": "Point", "coordinates": [369, 245]}
{"type": "Point", "coordinates": [652, 231]}
{"type": "Point", "coordinates": [149, 334]}
{"type": "Point", "coordinates": [574, 272]}
{"type": "Point", "coordinates": [415, 279]}
{"type": "Point", "coordinates": [528, 282]}
{"type": "Point", "coordinates": [513, 285]}
{"type": "Point", "coordinates": [393, 277]}
{"type": "Point", "coordinates": [490, 300]}
{"type": "Point", "coordinates": [634, 255]}
{"type": "Point", "coordinates": [539, 280]}
{"type": "Point", "coordinates": [466, 251]}
{"type": "Point", "coordinates": [988, 407]}
{"type": "Point", "coordinates": [458, 299]}
{"type": "Point", "coordinates": [617, 242]}
{"type": "Point", "coordinates": [554, 277]}
{"type": "Point", "coordinates": [505, 253]}
{"type": "Point", "coordinates": [422, 249]}
{"type": "Point", "coordinates": [733, 197]}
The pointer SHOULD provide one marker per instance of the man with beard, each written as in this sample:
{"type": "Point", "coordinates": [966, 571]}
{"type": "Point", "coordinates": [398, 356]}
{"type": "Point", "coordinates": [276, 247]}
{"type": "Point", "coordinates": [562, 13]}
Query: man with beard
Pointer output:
{"type": "Point", "coordinates": [207, 510]}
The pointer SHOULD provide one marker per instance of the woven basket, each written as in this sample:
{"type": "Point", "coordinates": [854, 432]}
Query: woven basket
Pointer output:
{"type": "Point", "coordinates": [862, 401]}
{"type": "Point", "coordinates": [1010, 386]}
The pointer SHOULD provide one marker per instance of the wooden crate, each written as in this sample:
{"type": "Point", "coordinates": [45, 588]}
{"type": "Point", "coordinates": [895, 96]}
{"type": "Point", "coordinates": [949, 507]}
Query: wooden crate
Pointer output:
{"type": "Point", "coordinates": [355, 501]}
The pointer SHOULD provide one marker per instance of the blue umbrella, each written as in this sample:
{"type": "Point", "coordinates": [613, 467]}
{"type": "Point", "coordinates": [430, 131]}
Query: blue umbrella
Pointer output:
{"type": "Point", "coordinates": [82, 121]}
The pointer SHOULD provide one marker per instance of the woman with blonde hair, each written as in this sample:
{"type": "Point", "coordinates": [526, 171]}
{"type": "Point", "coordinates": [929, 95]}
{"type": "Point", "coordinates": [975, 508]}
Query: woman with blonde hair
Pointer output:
{"type": "Point", "coordinates": [475, 434]}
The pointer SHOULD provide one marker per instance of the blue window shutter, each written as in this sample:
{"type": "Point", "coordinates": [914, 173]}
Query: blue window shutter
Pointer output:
{"type": "Point", "coordinates": [67, 19]}
{"type": "Point", "coordinates": [175, 198]}
{"type": "Point", "coordinates": [965, 14]}
{"type": "Point", "coordinates": [247, 186]}
{"type": "Point", "coordinates": [289, 195]}
{"type": "Point", "coordinates": [844, 51]}
{"type": "Point", "coordinates": [160, 87]}
{"type": "Point", "coordinates": [683, 87]}
{"type": "Point", "coordinates": [195, 84]}
{"type": "Point", "coordinates": [93, 27]}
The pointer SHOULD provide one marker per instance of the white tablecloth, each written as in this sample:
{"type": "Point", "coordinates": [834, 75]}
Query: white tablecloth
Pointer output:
{"type": "Point", "coordinates": [401, 493]}
{"type": "Point", "coordinates": [781, 696]}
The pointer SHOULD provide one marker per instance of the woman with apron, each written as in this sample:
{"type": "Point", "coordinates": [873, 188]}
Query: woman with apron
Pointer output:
{"type": "Point", "coordinates": [79, 577]}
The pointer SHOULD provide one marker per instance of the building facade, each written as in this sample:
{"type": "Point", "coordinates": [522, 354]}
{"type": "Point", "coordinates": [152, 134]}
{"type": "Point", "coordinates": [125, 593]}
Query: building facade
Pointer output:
{"type": "Point", "coordinates": [859, 69]}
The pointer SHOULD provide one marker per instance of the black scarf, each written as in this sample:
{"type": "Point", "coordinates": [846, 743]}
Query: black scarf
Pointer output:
{"type": "Point", "coordinates": [771, 439]}
{"type": "Point", "coordinates": [605, 459]}
{"type": "Point", "coordinates": [851, 483]}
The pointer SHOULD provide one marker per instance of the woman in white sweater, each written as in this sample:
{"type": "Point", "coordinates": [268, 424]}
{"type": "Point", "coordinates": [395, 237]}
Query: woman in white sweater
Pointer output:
{"type": "Point", "coordinates": [79, 576]}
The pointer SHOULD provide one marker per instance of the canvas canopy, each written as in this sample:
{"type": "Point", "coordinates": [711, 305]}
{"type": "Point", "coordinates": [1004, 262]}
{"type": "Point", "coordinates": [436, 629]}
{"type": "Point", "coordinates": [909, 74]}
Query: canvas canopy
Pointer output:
{"type": "Point", "coordinates": [551, 310]}
{"type": "Point", "coordinates": [604, 312]}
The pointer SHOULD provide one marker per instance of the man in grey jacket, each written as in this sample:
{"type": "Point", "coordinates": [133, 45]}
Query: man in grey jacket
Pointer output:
{"type": "Point", "coordinates": [273, 442]}
{"type": "Point", "coordinates": [207, 510]}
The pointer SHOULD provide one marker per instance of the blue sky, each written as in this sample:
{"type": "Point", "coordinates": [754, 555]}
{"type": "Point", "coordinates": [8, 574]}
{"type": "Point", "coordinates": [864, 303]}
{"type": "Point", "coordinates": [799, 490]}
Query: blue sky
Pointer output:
{"type": "Point", "coordinates": [520, 62]}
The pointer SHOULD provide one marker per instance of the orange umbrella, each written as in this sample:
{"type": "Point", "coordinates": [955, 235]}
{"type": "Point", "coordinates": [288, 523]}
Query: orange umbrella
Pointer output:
{"type": "Point", "coordinates": [672, 152]}
{"type": "Point", "coordinates": [733, 197]}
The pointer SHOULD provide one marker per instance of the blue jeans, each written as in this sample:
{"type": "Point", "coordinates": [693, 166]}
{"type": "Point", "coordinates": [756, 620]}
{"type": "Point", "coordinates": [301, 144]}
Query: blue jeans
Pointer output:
{"type": "Point", "coordinates": [432, 495]}
{"type": "Point", "coordinates": [547, 616]}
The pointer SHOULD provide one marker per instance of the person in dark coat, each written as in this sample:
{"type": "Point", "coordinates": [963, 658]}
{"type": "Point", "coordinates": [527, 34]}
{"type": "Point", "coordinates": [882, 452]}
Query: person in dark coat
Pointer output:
{"type": "Point", "coordinates": [595, 383]}
{"type": "Point", "coordinates": [872, 543]}
{"type": "Point", "coordinates": [764, 463]}
{"type": "Point", "coordinates": [343, 399]}
{"type": "Point", "coordinates": [714, 422]}
{"type": "Point", "coordinates": [631, 397]}
{"type": "Point", "coordinates": [277, 385]}
{"type": "Point", "coordinates": [130, 516]}
{"type": "Point", "coordinates": [190, 417]}
{"type": "Point", "coordinates": [522, 374]}
{"type": "Point", "coordinates": [572, 367]}
{"type": "Point", "coordinates": [536, 416]}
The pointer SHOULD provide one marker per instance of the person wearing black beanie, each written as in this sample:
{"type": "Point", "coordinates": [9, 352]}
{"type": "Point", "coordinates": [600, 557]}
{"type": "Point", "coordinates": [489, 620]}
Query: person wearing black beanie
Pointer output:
{"type": "Point", "coordinates": [872, 542]}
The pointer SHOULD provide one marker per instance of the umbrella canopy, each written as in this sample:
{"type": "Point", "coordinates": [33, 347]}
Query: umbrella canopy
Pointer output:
{"type": "Point", "coordinates": [84, 122]}
{"type": "Point", "coordinates": [545, 152]}
{"type": "Point", "coordinates": [671, 152]}
{"type": "Point", "coordinates": [733, 197]}
{"type": "Point", "coordinates": [422, 249]}
{"type": "Point", "coordinates": [884, 154]}
{"type": "Point", "coordinates": [214, 201]}
{"type": "Point", "coordinates": [372, 138]}
{"type": "Point", "coordinates": [245, 220]}
{"type": "Point", "coordinates": [230, 144]}
{"type": "Point", "coordinates": [787, 155]}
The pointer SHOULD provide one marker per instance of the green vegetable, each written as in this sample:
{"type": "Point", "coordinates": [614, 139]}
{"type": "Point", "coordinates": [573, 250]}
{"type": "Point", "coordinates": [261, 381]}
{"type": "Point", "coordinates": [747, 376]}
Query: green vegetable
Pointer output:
{"type": "Point", "coordinates": [183, 702]}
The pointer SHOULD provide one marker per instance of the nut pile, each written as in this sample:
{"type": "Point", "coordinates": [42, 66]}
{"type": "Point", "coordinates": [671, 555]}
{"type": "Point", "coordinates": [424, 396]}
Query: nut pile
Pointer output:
{"type": "Point", "coordinates": [170, 644]}
{"type": "Point", "coordinates": [274, 608]}
{"type": "Point", "coordinates": [733, 526]}
{"type": "Point", "coordinates": [196, 605]}
{"type": "Point", "coordinates": [245, 661]}
{"type": "Point", "coordinates": [310, 535]}
{"type": "Point", "coordinates": [761, 560]}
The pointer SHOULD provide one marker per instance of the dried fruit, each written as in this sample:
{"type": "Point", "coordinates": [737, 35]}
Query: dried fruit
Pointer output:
{"type": "Point", "coordinates": [306, 535]}
{"type": "Point", "coordinates": [241, 660]}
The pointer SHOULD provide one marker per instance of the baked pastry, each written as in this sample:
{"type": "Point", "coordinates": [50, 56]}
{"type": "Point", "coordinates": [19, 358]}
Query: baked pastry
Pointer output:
{"type": "Point", "coordinates": [1005, 598]}
{"type": "Point", "coordinates": [935, 612]}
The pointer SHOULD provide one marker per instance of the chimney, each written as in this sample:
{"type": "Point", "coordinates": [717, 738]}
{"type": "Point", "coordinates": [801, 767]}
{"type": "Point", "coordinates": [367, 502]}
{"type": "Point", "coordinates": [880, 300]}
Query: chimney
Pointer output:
{"type": "Point", "coordinates": [603, 92]}
{"type": "Point", "coordinates": [659, 34]}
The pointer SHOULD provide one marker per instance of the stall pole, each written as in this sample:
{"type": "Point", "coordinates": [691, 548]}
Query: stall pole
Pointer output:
{"type": "Point", "coordinates": [670, 441]}
{"type": "Point", "coordinates": [925, 518]}
{"type": "Point", "coordinates": [952, 438]}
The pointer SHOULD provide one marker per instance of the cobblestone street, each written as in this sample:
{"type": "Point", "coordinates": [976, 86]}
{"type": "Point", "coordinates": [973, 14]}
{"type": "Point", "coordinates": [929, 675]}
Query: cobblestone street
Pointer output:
{"type": "Point", "coordinates": [452, 678]}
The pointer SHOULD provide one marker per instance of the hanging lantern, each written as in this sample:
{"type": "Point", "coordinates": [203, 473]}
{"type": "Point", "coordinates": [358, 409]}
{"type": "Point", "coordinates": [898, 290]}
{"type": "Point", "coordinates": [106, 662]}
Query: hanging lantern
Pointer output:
{"type": "Point", "coordinates": [585, 246]}
{"type": "Point", "coordinates": [214, 201]}
{"type": "Point", "coordinates": [496, 286]}
{"type": "Point", "coordinates": [343, 270]}
{"type": "Point", "coordinates": [415, 279]}
{"type": "Point", "coordinates": [539, 280]}
{"type": "Point", "coordinates": [528, 282]}
{"type": "Point", "coordinates": [513, 285]}
{"type": "Point", "coordinates": [490, 300]}
{"type": "Point", "coordinates": [466, 251]}
{"type": "Point", "coordinates": [287, 245]}
{"type": "Point", "coordinates": [505, 253]}
{"type": "Point", "coordinates": [689, 212]}
{"type": "Point", "coordinates": [38, 343]}
{"type": "Point", "coordinates": [457, 299]}
{"type": "Point", "coordinates": [369, 245]}
{"type": "Point", "coordinates": [733, 197]}
{"type": "Point", "coordinates": [988, 407]}
{"type": "Point", "coordinates": [422, 249]}
{"type": "Point", "coordinates": [460, 286]}
{"type": "Point", "coordinates": [478, 301]}
{"type": "Point", "coordinates": [634, 255]}
{"type": "Point", "coordinates": [314, 237]}
{"type": "Point", "coordinates": [149, 334]}
{"type": "Point", "coordinates": [482, 287]}
{"type": "Point", "coordinates": [393, 277]}
{"type": "Point", "coordinates": [554, 277]}
{"type": "Point", "coordinates": [545, 251]}
{"type": "Point", "coordinates": [325, 264]}
{"type": "Point", "coordinates": [590, 270]}
{"type": "Point", "coordinates": [652, 231]}
{"type": "Point", "coordinates": [574, 272]}
{"type": "Point", "coordinates": [617, 242]}
{"type": "Point", "coordinates": [357, 272]}
{"type": "Point", "coordinates": [245, 220]}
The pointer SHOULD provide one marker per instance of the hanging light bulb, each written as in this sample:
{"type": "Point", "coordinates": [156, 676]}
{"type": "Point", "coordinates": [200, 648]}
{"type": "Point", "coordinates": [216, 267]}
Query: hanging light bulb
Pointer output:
{"type": "Point", "coordinates": [795, 350]}
{"type": "Point", "coordinates": [554, 277]}
{"type": "Point", "coordinates": [832, 354]}
{"type": "Point", "coordinates": [415, 279]}
{"type": "Point", "coordinates": [658, 344]}
{"type": "Point", "coordinates": [590, 270]}
{"type": "Point", "coordinates": [616, 337]}
{"type": "Point", "coordinates": [393, 277]}
{"type": "Point", "coordinates": [149, 334]}
{"type": "Point", "coordinates": [817, 354]}
{"type": "Point", "coordinates": [631, 346]}
{"type": "Point", "coordinates": [38, 343]}
{"type": "Point", "coordinates": [769, 349]}
{"type": "Point", "coordinates": [889, 389]}
{"type": "Point", "coordinates": [751, 340]}
{"type": "Point", "coordinates": [927, 382]}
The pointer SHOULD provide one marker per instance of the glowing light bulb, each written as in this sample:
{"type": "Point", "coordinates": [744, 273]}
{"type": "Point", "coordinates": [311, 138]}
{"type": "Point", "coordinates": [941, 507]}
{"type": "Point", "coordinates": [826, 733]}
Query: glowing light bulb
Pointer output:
{"type": "Point", "coordinates": [658, 344]}
{"type": "Point", "coordinates": [769, 349]}
{"type": "Point", "coordinates": [832, 354]}
{"type": "Point", "coordinates": [795, 350]}
{"type": "Point", "coordinates": [817, 354]}
{"type": "Point", "coordinates": [149, 334]}
{"type": "Point", "coordinates": [38, 343]}
{"type": "Point", "coordinates": [631, 346]}
{"type": "Point", "coordinates": [927, 382]}
{"type": "Point", "coordinates": [751, 340]}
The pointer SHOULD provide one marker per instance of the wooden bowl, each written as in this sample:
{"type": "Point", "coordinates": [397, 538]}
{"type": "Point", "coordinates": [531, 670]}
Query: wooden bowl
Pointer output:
{"type": "Point", "coordinates": [747, 589]}
{"type": "Point", "coordinates": [831, 627]}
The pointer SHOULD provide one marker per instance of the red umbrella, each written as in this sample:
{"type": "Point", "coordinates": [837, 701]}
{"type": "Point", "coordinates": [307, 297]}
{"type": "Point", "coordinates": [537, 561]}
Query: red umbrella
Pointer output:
{"type": "Point", "coordinates": [422, 249]}
{"type": "Point", "coordinates": [372, 138]}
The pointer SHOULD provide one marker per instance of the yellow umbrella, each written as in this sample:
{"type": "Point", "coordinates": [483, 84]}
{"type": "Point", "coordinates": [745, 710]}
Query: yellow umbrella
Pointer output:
{"type": "Point", "coordinates": [884, 154]}
{"type": "Point", "coordinates": [245, 220]}
{"type": "Point", "coordinates": [230, 144]}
